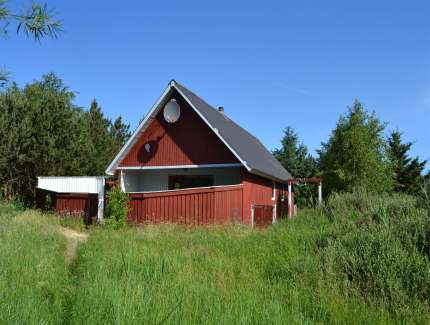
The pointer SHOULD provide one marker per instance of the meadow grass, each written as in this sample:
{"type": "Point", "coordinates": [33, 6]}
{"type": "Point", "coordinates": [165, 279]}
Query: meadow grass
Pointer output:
{"type": "Point", "coordinates": [358, 259]}
{"type": "Point", "coordinates": [217, 275]}
{"type": "Point", "coordinates": [33, 275]}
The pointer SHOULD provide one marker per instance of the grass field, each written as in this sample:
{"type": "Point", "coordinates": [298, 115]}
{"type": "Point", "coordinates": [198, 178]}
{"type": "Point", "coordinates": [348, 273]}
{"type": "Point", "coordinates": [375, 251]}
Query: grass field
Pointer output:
{"type": "Point", "coordinates": [359, 260]}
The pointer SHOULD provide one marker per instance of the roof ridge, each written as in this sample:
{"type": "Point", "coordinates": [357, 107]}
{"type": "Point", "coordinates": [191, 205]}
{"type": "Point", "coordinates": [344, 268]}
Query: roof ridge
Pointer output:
{"type": "Point", "coordinates": [223, 114]}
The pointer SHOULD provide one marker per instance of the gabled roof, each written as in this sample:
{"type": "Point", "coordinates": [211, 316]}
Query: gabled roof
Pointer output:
{"type": "Point", "coordinates": [247, 148]}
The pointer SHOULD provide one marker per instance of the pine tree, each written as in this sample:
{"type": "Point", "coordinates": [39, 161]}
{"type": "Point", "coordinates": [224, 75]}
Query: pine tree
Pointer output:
{"type": "Point", "coordinates": [37, 21]}
{"type": "Point", "coordinates": [295, 158]}
{"type": "Point", "coordinates": [100, 140]}
{"type": "Point", "coordinates": [355, 154]}
{"type": "Point", "coordinates": [120, 133]}
{"type": "Point", "coordinates": [408, 171]}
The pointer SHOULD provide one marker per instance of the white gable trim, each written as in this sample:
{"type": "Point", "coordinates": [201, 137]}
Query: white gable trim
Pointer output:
{"type": "Point", "coordinates": [113, 165]}
{"type": "Point", "coordinates": [179, 166]}
{"type": "Point", "coordinates": [142, 126]}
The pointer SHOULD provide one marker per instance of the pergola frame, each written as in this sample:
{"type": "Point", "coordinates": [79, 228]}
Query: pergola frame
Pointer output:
{"type": "Point", "coordinates": [311, 180]}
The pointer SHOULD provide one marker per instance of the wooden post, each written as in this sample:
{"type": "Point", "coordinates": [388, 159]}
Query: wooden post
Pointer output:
{"type": "Point", "coordinates": [290, 201]}
{"type": "Point", "coordinates": [320, 192]}
{"type": "Point", "coordinates": [121, 180]}
{"type": "Point", "coordinates": [101, 204]}
{"type": "Point", "coordinates": [274, 214]}
{"type": "Point", "coordinates": [252, 215]}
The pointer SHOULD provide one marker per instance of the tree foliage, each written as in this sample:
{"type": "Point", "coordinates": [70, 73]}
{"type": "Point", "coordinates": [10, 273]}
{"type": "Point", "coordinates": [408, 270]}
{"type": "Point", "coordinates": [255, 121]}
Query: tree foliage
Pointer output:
{"type": "Point", "coordinates": [45, 134]}
{"type": "Point", "coordinates": [37, 21]}
{"type": "Point", "coordinates": [408, 172]}
{"type": "Point", "coordinates": [355, 154]}
{"type": "Point", "coordinates": [295, 158]}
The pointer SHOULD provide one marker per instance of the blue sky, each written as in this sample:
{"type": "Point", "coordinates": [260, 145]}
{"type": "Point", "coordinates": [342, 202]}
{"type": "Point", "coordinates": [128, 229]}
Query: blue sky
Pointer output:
{"type": "Point", "coordinates": [269, 63]}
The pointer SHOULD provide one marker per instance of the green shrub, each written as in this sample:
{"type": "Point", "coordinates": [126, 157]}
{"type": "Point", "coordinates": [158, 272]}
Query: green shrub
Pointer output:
{"type": "Point", "coordinates": [8, 210]}
{"type": "Point", "coordinates": [380, 244]}
{"type": "Point", "coordinates": [424, 195]}
{"type": "Point", "coordinates": [117, 208]}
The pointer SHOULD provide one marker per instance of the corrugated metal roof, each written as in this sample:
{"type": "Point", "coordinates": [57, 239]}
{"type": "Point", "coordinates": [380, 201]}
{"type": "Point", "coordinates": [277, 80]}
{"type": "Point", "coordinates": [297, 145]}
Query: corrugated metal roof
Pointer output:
{"type": "Point", "coordinates": [79, 184]}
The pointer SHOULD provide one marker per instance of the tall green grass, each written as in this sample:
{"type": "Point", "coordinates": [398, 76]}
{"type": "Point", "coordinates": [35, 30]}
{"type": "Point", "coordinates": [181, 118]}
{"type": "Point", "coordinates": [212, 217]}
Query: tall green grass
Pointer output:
{"type": "Point", "coordinates": [33, 275]}
{"type": "Point", "coordinates": [219, 275]}
{"type": "Point", "coordinates": [358, 259]}
{"type": "Point", "coordinates": [381, 245]}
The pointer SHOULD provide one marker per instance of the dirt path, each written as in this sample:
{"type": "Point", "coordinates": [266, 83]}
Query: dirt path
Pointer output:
{"type": "Point", "coordinates": [73, 238]}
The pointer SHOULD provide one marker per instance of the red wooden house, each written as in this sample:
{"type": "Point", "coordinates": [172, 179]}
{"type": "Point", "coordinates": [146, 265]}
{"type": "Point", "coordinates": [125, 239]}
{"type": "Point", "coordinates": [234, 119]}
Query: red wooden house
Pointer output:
{"type": "Point", "coordinates": [189, 163]}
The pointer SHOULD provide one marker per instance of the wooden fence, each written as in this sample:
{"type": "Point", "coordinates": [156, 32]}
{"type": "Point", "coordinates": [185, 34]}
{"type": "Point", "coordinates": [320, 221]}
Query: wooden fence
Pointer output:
{"type": "Point", "coordinates": [202, 206]}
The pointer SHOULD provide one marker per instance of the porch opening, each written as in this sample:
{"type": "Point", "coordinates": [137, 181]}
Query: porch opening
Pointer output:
{"type": "Point", "coordinates": [151, 180]}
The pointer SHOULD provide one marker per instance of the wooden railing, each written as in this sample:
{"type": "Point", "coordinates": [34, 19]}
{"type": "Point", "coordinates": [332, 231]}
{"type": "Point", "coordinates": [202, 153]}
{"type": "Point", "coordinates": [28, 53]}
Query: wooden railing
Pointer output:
{"type": "Point", "coordinates": [198, 206]}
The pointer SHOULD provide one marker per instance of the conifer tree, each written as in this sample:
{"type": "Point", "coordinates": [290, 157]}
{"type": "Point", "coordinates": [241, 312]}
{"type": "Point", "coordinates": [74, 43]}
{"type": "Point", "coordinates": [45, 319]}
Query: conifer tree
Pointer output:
{"type": "Point", "coordinates": [408, 172]}
{"type": "Point", "coordinates": [99, 138]}
{"type": "Point", "coordinates": [120, 133]}
{"type": "Point", "coordinates": [294, 156]}
{"type": "Point", "coordinates": [37, 21]}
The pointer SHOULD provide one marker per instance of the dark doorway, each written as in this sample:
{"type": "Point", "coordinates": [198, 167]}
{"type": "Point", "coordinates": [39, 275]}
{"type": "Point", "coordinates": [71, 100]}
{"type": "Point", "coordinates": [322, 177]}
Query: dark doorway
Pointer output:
{"type": "Point", "coordinates": [177, 182]}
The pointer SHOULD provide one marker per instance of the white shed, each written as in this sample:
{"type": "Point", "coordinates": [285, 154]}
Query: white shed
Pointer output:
{"type": "Point", "coordinates": [76, 185]}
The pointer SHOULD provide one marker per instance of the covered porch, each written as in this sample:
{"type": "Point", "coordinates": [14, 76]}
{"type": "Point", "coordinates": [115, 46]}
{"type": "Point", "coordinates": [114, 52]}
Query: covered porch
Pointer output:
{"type": "Point", "coordinates": [187, 194]}
{"type": "Point", "coordinates": [168, 178]}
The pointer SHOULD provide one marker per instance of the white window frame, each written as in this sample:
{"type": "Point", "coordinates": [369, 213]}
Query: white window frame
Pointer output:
{"type": "Point", "coordinates": [282, 193]}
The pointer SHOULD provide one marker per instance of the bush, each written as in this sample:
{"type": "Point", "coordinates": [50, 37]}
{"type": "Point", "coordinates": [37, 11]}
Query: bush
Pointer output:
{"type": "Point", "coordinates": [424, 195]}
{"type": "Point", "coordinates": [8, 210]}
{"type": "Point", "coordinates": [380, 244]}
{"type": "Point", "coordinates": [117, 208]}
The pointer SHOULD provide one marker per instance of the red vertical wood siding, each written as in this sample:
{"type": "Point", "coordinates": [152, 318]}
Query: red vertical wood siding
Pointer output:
{"type": "Point", "coordinates": [212, 205]}
{"type": "Point", "coordinates": [189, 141]}
{"type": "Point", "coordinates": [258, 191]}
{"type": "Point", "coordinates": [263, 215]}
{"type": "Point", "coordinates": [68, 204]}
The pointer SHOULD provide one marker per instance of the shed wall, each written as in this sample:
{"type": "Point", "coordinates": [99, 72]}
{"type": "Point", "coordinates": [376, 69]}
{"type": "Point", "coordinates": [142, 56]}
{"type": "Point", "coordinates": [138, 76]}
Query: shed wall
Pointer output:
{"type": "Point", "coordinates": [71, 204]}
{"type": "Point", "coordinates": [258, 191]}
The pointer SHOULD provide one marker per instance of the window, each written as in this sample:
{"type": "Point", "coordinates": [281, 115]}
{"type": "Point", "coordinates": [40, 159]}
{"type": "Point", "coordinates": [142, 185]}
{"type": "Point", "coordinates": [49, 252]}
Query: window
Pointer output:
{"type": "Point", "coordinates": [177, 182]}
{"type": "Point", "coordinates": [282, 193]}
{"type": "Point", "coordinates": [274, 191]}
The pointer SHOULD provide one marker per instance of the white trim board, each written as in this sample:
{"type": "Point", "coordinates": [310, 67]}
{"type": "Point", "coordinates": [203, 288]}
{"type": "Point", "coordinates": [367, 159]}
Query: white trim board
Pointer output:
{"type": "Point", "coordinates": [186, 189]}
{"type": "Point", "coordinates": [151, 114]}
{"type": "Point", "coordinates": [179, 166]}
